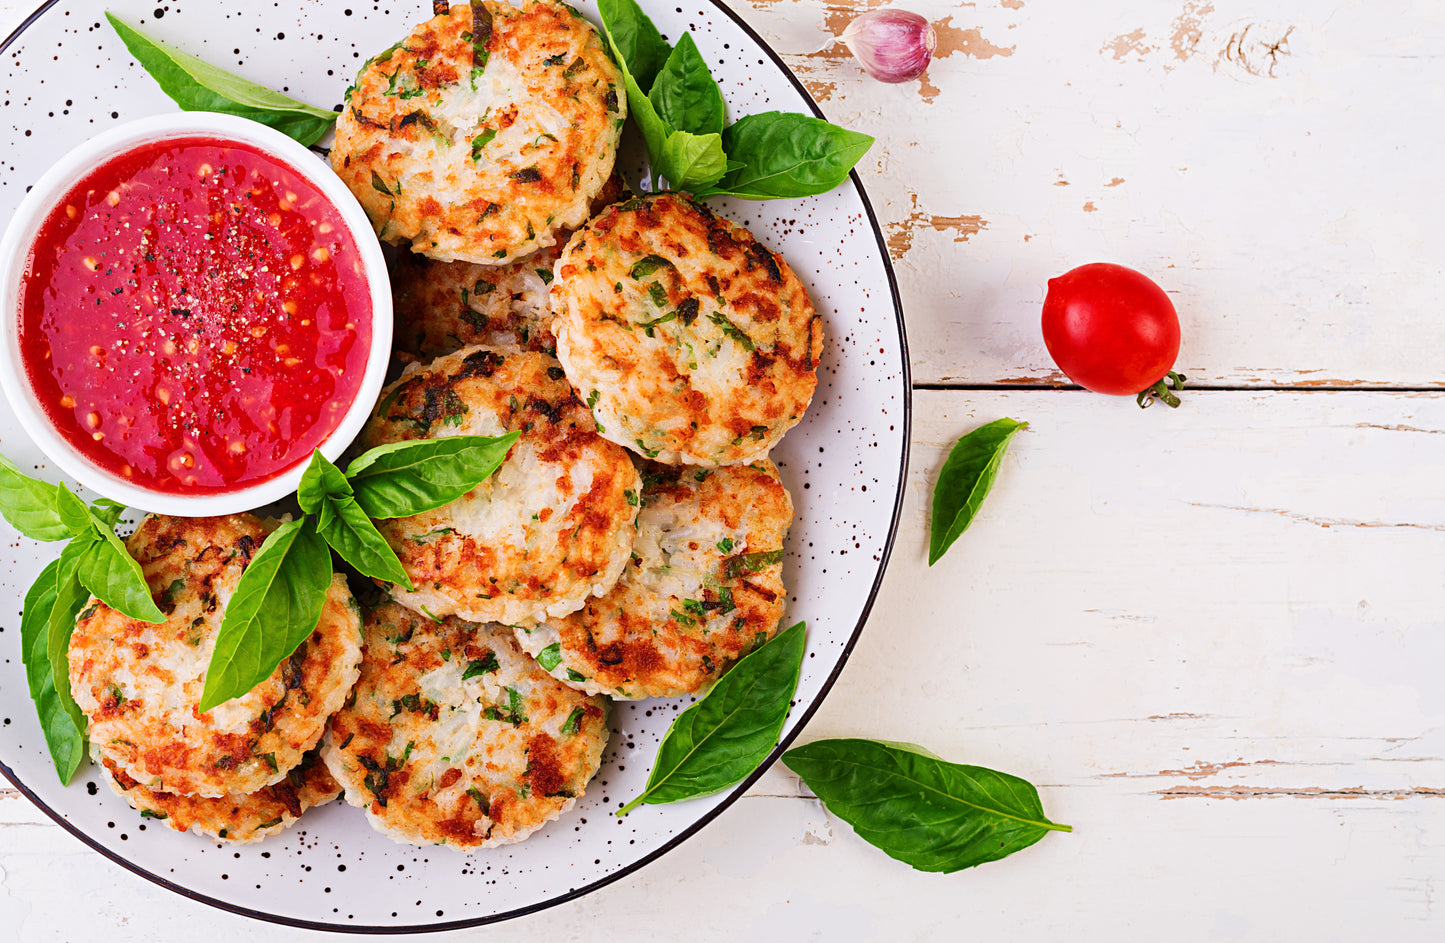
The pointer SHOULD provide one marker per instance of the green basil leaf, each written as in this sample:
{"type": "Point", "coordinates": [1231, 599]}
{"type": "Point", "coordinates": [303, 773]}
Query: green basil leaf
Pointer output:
{"type": "Point", "coordinates": [107, 512]}
{"type": "Point", "coordinates": [686, 95]}
{"type": "Point", "coordinates": [199, 86]}
{"type": "Point", "coordinates": [106, 568]}
{"type": "Point", "coordinates": [276, 606]}
{"type": "Point", "coordinates": [70, 598]}
{"type": "Point", "coordinates": [345, 526]}
{"type": "Point", "coordinates": [964, 482]}
{"type": "Point", "coordinates": [692, 161]}
{"type": "Point", "coordinates": [636, 43]}
{"type": "Point", "coordinates": [931, 814]}
{"type": "Point", "coordinates": [64, 737]}
{"type": "Point", "coordinates": [724, 736]}
{"type": "Point", "coordinates": [787, 155]}
{"type": "Point", "coordinates": [320, 480]}
{"type": "Point", "coordinates": [72, 513]}
{"type": "Point", "coordinates": [109, 571]}
{"type": "Point", "coordinates": [405, 478]}
{"type": "Point", "coordinates": [29, 504]}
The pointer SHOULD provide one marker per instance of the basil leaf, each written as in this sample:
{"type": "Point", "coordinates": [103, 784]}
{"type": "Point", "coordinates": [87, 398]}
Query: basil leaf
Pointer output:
{"type": "Point", "coordinates": [964, 482]}
{"type": "Point", "coordinates": [654, 130]}
{"type": "Point", "coordinates": [686, 95]}
{"type": "Point", "coordinates": [319, 481]}
{"type": "Point", "coordinates": [724, 736]}
{"type": "Point", "coordinates": [106, 568]}
{"type": "Point", "coordinates": [692, 161]}
{"type": "Point", "coordinates": [276, 606]}
{"type": "Point", "coordinates": [109, 571]}
{"type": "Point", "coordinates": [64, 734]}
{"type": "Point", "coordinates": [788, 155]}
{"type": "Point", "coordinates": [325, 492]}
{"type": "Point", "coordinates": [199, 86]}
{"type": "Point", "coordinates": [29, 504]}
{"type": "Point", "coordinates": [924, 811]}
{"type": "Point", "coordinates": [405, 478]}
{"type": "Point", "coordinates": [636, 44]}
{"type": "Point", "coordinates": [107, 512]}
{"type": "Point", "coordinates": [72, 513]}
{"type": "Point", "coordinates": [345, 526]}
{"type": "Point", "coordinates": [70, 598]}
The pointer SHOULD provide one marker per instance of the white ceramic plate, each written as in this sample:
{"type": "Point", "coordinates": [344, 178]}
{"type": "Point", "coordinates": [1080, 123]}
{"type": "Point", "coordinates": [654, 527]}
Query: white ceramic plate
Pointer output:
{"type": "Point", "coordinates": [66, 76]}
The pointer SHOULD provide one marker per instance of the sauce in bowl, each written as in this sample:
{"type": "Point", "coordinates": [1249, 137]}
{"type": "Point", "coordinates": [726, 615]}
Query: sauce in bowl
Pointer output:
{"type": "Point", "coordinates": [195, 317]}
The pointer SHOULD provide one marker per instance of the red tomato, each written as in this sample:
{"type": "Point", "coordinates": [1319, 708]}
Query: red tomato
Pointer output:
{"type": "Point", "coordinates": [1110, 329]}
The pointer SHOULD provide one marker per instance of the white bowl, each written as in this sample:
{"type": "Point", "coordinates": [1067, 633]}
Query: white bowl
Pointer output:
{"type": "Point", "coordinates": [15, 252]}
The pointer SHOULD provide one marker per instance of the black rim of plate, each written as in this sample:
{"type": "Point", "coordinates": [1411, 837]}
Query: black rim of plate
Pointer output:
{"type": "Point", "coordinates": [737, 790]}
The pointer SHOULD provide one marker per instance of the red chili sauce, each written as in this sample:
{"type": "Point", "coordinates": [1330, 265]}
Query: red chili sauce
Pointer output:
{"type": "Point", "coordinates": [195, 317]}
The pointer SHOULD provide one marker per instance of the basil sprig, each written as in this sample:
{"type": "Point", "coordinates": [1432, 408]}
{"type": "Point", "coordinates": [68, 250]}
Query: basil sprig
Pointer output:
{"type": "Point", "coordinates": [677, 105]}
{"type": "Point", "coordinates": [920, 809]}
{"type": "Point", "coordinates": [199, 86]}
{"type": "Point", "coordinates": [966, 479]}
{"type": "Point", "coordinates": [279, 598]}
{"type": "Point", "coordinates": [724, 736]}
{"type": "Point", "coordinates": [93, 562]}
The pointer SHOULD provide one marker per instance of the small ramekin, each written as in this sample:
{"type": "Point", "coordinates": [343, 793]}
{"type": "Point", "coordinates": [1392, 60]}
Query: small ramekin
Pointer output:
{"type": "Point", "coordinates": [15, 252]}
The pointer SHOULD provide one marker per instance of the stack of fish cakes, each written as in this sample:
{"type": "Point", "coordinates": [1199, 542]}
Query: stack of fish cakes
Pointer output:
{"type": "Point", "coordinates": [480, 142]}
{"type": "Point", "coordinates": [240, 771]}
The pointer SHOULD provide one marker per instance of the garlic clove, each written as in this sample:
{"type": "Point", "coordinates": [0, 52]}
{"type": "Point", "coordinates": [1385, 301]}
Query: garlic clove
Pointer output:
{"type": "Point", "coordinates": [891, 45]}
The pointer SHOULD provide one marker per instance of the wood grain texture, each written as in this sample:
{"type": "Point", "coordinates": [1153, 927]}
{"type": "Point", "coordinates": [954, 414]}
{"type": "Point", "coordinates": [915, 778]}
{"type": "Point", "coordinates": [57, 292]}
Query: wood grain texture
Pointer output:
{"type": "Point", "coordinates": [1269, 165]}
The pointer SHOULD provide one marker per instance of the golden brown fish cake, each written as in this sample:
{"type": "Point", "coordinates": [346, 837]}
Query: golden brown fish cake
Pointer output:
{"type": "Point", "coordinates": [485, 162]}
{"type": "Point", "coordinates": [456, 737]}
{"type": "Point", "coordinates": [235, 818]}
{"type": "Point", "coordinates": [442, 307]}
{"type": "Point", "coordinates": [691, 341]}
{"type": "Point", "coordinates": [140, 683]}
{"type": "Point", "coordinates": [551, 527]}
{"type": "Point", "coordinates": [704, 587]}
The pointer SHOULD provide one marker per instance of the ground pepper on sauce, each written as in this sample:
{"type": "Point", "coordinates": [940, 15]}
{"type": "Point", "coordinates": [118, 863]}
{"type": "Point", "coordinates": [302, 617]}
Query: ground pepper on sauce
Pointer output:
{"type": "Point", "coordinates": [195, 317]}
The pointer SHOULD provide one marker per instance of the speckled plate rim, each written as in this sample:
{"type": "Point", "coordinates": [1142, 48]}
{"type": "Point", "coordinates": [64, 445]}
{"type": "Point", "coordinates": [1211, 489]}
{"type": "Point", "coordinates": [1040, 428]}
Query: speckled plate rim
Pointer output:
{"type": "Point", "coordinates": [737, 791]}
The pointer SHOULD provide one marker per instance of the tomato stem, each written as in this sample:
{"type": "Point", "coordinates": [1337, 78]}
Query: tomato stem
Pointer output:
{"type": "Point", "coordinates": [1164, 390]}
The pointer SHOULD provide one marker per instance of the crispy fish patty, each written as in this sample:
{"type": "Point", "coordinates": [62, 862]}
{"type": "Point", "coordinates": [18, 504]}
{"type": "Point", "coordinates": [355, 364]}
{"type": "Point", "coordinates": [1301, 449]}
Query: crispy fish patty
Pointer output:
{"type": "Point", "coordinates": [235, 818]}
{"type": "Point", "coordinates": [442, 307]}
{"type": "Point", "coordinates": [480, 141]}
{"type": "Point", "coordinates": [554, 524]}
{"type": "Point", "coordinates": [456, 737]}
{"type": "Point", "coordinates": [703, 588]}
{"type": "Point", "coordinates": [140, 683]}
{"type": "Point", "coordinates": [692, 342]}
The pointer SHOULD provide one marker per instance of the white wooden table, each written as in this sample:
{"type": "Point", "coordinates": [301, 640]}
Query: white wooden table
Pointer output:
{"type": "Point", "coordinates": [1214, 635]}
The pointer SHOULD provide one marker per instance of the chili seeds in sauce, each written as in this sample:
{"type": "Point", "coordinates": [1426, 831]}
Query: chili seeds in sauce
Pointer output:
{"type": "Point", "coordinates": [195, 317]}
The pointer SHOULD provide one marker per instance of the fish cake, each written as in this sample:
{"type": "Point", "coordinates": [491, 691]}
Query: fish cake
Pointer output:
{"type": "Point", "coordinates": [140, 683]}
{"type": "Point", "coordinates": [480, 142]}
{"type": "Point", "coordinates": [241, 819]}
{"type": "Point", "coordinates": [456, 737]}
{"type": "Point", "coordinates": [551, 527]}
{"type": "Point", "coordinates": [691, 341]}
{"type": "Point", "coordinates": [704, 587]}
{"type": "Point", "coordinates": [442, 307]}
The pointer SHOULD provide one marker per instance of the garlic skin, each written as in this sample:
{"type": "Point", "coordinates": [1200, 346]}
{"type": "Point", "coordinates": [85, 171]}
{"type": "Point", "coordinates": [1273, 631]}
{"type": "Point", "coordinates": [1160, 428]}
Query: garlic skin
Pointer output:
{"type": "Point", "coordinates": [891, 45]}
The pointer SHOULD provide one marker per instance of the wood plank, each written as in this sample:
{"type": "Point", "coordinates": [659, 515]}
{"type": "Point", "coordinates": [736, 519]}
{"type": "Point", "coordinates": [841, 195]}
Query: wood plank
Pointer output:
{"type": "Point", "coordinates": [1210, 635]}
{"type": "Point", "coordinates": [1267, 166]}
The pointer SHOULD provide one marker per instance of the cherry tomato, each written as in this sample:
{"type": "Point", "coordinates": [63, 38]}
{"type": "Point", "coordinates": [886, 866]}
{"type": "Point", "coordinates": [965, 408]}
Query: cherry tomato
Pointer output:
{"type": "Point", "coordinates": [1112, 330]}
